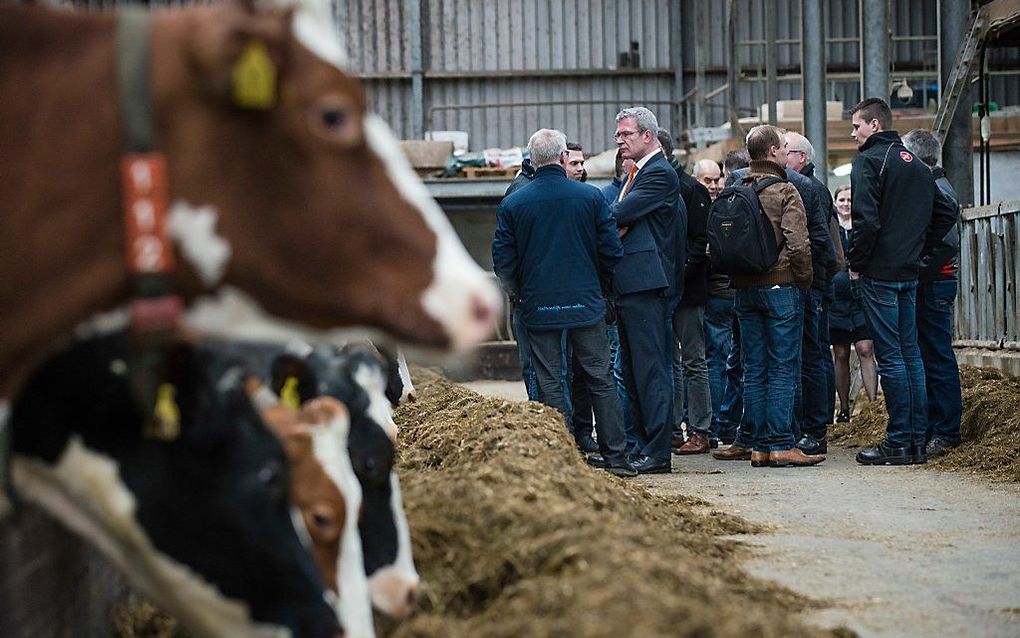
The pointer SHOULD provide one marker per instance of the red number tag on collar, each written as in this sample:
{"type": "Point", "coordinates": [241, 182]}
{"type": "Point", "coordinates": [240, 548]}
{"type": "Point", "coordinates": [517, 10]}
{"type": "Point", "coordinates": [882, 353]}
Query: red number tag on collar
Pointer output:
{"type": "Point", "coordinates": [143, 179]}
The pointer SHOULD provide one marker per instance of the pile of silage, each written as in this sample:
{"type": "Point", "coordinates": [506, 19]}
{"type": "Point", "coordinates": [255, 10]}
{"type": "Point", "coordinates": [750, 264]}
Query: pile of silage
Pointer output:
{"type": "Point", "coordinates": [990, 427]}
{"type": "Point", "coordinates": [515, 536]}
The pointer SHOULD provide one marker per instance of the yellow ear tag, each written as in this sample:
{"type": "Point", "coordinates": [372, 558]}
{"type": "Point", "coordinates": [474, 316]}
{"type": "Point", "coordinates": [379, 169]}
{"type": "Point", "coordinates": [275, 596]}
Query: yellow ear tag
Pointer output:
{"type": "Point", "coordinates": [254, 78]}
{"type": "Point", "coordinates": [166, 425]}
{"type": "Point", "coordinates": [289, 393]}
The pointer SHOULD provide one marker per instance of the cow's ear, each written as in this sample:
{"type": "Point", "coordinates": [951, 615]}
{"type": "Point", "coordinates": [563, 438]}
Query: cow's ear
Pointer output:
{"type": "Point", "coordinates": [293, 380]}
{"type": "Point", "coordinates": [240, 58]}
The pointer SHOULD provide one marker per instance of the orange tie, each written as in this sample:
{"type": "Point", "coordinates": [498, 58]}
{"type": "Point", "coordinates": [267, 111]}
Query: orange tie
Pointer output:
{"type": "Point", "coordinates": [630, 180]}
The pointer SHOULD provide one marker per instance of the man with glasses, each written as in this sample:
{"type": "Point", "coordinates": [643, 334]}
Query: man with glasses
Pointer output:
{"type": "Point", "coordinates": [818, 373]}
{"type": "Point", "coordinates": [645, 281]}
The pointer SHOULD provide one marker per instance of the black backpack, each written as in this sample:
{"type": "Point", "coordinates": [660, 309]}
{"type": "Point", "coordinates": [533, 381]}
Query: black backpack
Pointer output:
{"type": "Point", "coordinates": [740, 236]}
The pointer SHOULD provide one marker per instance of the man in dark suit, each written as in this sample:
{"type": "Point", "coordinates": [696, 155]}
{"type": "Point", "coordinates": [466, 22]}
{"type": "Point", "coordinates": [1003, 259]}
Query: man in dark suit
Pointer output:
{"type": "Point", "coordinates": [647, 214]}
{"type": "Point", "coordinates": [555, 241]}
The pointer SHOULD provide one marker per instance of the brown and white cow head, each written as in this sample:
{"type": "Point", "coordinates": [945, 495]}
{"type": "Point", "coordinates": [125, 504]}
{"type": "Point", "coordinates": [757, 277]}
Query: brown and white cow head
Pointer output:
{"type": "Point", "coordinates": [327, 497]}
{"type": "Point", "coordinates": [308, 207]}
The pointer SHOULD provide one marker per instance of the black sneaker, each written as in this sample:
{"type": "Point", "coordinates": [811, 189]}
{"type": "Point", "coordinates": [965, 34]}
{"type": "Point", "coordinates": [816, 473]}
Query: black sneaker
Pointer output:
{"type": "Point", "coordinates": [811, 446]}
{"type": "Point", "coordinates": [938, 446]}
{"type": "Point", "coordinates": [844, 416]}
{"type": "Point", "coordinates": [599, 461]}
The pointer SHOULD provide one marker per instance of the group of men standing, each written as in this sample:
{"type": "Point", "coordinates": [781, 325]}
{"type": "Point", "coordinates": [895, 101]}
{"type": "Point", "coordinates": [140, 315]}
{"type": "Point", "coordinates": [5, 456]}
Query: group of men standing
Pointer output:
{"type": "Point", "coordinates": [607, 284]}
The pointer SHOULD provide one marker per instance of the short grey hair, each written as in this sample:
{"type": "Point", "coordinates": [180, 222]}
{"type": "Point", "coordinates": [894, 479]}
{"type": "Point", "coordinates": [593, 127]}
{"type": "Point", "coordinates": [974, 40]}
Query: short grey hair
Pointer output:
{"type": "Point", "coordinates": [644, 118]}
{"type": "Point", "coordinates": [545, 147]}
{"type": "Point", "coordinates": [922, 143]}
{"type": "Point", "coordinates": [809, 150]}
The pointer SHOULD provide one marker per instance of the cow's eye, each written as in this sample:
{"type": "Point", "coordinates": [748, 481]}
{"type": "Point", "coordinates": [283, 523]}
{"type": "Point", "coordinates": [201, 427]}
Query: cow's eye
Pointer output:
{"type": "Point", "coordinates": [335, 119]}
{"type": "Point", "coordinates": [323, 522]}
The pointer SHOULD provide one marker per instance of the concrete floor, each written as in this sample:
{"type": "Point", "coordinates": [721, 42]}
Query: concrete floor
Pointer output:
{"type": "Point", "coordinates": [894, 551]}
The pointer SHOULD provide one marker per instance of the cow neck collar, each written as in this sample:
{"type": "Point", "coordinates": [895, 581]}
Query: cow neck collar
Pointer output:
{"type": "Point", "coordinates": [155, 307]}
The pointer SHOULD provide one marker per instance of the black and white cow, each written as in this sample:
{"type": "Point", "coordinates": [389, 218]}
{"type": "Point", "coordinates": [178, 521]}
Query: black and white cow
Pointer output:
{"type": "Point", "coordinates": [190, 501]}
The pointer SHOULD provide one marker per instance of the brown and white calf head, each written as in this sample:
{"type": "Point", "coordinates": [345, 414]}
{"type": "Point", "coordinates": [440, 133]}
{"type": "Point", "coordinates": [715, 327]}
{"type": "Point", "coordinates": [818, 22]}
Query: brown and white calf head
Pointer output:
{"type": "Point", "coordinates": [357, 376]}
{"type": "Point", "coordinates": [308, 208]}
{"type": "Point", "coordinates": [327, 498]}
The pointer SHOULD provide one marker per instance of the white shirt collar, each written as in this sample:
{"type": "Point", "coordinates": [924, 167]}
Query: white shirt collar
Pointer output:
{"type": "Point", "coordinates": [644, 160]}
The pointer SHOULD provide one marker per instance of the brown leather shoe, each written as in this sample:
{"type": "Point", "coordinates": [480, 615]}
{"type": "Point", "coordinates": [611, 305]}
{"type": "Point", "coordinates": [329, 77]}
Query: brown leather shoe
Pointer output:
{"type": "Point", "coordinates": [732, 453]}
{"type": "Point", "coordinates": [697, 443]}
{"type": "Point", "coordinates": [794, 457]}
{"type": "Point", "coordinates": [759, 459]}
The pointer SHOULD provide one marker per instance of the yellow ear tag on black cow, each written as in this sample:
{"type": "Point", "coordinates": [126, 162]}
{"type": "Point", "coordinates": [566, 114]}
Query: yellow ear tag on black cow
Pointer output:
{"type": "Point", "coordinates": [166, 421]}
{"type": "Point", "coordinates": [289, 393]}
{"type": "Point", "coordinates": [254, 78]}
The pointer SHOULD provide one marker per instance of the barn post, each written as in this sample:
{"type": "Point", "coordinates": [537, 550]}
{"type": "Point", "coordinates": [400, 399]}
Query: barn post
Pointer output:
{"type": "Point", "coordinates": [957, 149]}
{"type": "Point", "coordinates": [875, 40]}
{"type": "Point", "coordinates": [417, 72]}
{"type": "Point", "coordinates": [812, 53]}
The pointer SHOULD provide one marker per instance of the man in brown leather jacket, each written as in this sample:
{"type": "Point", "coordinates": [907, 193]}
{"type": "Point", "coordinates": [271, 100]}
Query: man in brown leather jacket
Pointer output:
{"type": "Point", "coordinates": [770, 307]}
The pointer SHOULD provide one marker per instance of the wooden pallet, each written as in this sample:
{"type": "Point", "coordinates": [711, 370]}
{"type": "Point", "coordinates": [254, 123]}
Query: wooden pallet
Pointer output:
{"type": "Point", "coordinates": [476, 172]}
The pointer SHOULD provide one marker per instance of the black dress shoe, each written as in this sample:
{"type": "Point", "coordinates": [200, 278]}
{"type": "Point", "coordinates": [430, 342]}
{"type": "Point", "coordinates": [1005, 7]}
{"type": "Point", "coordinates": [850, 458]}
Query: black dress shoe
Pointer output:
{"type": "Point", "coordinates": [597, 460]}
{"type": "Point", "coordinates": [811, 446]}
{"type": "Point", "coordinates": [648, 465]}
{"type": "Point", "coordinates": [886, 454]}
{"type": "Point", "coordinates": [919, 453]}
{"type": "Point", "coordinates": [623, 469]}
{"type": "Point", "coordinates": [586, 444]}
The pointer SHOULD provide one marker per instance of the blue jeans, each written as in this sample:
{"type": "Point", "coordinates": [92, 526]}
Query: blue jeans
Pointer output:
{"type": "Point", "coordinates": [889, 310]}
{"type": "Point", "coordinates": [731, 410]}
{"type": "Point", "coordinates": [941, 372]}
{"type": "Point", "coordinates": [719, 316]}
{"type": "Point", "coordinates": [813, 398]}
{"type": "Point", "coordinates": [524, 352]}
{"type": "Point", "coordinates": [771, 324]}
{"type": "Point", "coordinates": [616, 358]}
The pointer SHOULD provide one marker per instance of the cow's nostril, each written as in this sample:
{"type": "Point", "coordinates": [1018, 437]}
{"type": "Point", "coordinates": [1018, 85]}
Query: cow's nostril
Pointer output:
{"type": "Point", "coordinates": [480, 310]}
{"type": "Point", "coordinates": [412, 597]}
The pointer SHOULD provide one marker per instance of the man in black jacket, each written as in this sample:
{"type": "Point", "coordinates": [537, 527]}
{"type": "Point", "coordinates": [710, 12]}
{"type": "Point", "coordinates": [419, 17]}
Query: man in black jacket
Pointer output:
{"type": "Point", "coordinates": [817, 372]}
{"type": "Point", "coordinates": [689, 316]}
{"type": "Point", "coordinates": [936, 292]}
{"type": "Point", "coordinates": [899, 218]}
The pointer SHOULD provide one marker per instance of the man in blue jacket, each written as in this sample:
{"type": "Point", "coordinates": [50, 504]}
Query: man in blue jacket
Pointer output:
{"type": "Point", "coordinates": [555, 240]}
{"type": "Point", "coordinates": [647, 212]}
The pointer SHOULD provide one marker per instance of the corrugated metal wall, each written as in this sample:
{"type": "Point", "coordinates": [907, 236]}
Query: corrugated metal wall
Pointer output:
{"type": "Point", "coordinates": [479, 53]}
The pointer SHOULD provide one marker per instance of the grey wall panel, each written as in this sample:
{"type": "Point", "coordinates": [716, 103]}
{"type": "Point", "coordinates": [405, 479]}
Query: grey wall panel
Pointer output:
{"type": "Point", "coordinates": [503, 51]}
{"type": "Point", "coordinates": [589, 123]}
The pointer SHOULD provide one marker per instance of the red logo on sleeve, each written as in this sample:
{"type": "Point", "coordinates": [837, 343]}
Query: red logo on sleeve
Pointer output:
{"type": "Point", "coordinates": [906, 157]}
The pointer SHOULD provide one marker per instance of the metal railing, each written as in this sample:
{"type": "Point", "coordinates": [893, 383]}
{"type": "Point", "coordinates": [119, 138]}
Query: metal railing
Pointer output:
{"type": "Point", "coordinates": [988, 302]}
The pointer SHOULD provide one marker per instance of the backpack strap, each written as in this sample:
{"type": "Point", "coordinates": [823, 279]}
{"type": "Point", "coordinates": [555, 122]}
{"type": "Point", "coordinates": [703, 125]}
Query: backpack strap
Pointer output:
{"type": "Point", "coordinates": [760, 185]}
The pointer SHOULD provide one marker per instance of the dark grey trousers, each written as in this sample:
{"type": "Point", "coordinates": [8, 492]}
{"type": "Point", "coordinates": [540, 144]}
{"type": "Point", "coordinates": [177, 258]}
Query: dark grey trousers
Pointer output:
{"type": "Point", "coordinates": [591, 352]}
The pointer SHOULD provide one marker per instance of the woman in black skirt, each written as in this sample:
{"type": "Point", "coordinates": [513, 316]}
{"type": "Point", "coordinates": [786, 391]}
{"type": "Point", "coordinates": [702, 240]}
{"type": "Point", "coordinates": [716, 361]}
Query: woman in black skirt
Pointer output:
{"type": "Point", "coordinates": [846, 322]}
